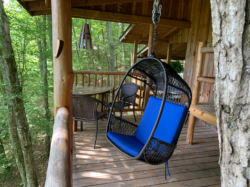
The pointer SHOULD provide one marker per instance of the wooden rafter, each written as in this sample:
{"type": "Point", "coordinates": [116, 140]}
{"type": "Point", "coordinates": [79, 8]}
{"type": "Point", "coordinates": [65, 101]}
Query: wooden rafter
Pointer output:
{"type": "Point", "coordinates": [117, 17]}
{"type": "Point", "coordinates": [131, 26]}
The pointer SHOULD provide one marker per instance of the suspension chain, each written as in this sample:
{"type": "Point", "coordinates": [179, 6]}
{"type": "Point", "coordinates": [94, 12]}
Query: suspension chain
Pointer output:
{"type": "Point", "coordinates": [156, 14]}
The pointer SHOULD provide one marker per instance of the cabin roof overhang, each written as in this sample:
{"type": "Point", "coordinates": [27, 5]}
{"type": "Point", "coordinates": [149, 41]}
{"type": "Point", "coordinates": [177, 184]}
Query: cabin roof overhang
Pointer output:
{"type": "Point", "coordinates": [123, 11]}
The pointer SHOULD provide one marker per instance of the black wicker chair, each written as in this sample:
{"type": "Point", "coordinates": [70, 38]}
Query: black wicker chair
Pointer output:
{"type": "Point", "coordinates": [127, 98]}
{"type": "Point", "coordinates": [170, 104]}
{"type": "Point", "coordinates": [85, 109]}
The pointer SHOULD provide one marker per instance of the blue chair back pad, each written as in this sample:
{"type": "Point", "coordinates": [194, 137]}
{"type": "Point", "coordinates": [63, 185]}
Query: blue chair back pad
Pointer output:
{"type": "Point", "coordinates": [169, 126]}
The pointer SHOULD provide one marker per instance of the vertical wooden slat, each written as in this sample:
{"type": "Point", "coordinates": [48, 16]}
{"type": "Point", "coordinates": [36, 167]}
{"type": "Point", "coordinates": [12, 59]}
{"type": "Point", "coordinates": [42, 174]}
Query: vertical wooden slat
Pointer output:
{"type": "Point", "coordinates": [88, 79]}
{"type": "Point", "coordinates": [107, 80]}
{"type": "Point", "coordinates": [118, 84]}
{"type": "Point", "coordinates": [76, 79]}
{"type": "Point", "coordinates": [101, 80]}
{"type": "Point", "coordinates": [95, 80]}
{"type": "Point", "coordinates": [82, 79]}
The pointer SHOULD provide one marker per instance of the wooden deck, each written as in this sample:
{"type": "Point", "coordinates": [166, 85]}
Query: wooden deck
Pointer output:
{"type": "Point", "coordinates": [191, 165]}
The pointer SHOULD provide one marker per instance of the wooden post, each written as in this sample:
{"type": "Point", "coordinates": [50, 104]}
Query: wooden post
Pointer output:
{"type": "Point", "coordinates": [135, 51]}
{"type": "Point", "coordinates": [63, 79]}
{"type": "Point", "coordinates": [169, 54]}
{"type": "Point", "coordinates": [195, 94]}
{"type": "Point", "coordinates": [134, 58]}
{"type": "Point", "coordinates": [150, 48]}
{"type": "Point", "coordinates": [150, 39]}
{"type": "Point", "coordinates": [59, 166]}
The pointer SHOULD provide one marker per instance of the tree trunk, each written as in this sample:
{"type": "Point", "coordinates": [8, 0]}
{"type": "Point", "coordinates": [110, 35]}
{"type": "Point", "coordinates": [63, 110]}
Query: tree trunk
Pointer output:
{"type": "Point", "coordinates": [123, 50]}
{"type": "Point", "coordinates": [45, 90]}
{"type": "Point", "coordinates": [39, 46]}
{"type": "Point", "coordinates": [111, 46]}
{"type": "Point", "coordinates": [49, 18]}
{"type": "Point", "coordinates": [231, 31]}
{"type": "Point", "coordinates": [15, 142]}
{"type": "Point", "coordinates": [15, 96]}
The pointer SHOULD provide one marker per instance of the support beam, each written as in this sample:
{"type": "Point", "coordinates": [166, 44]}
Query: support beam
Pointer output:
{"type": "Point", "coordinates": [126, 18]}
{"type": "Point", "coordinates": [150, 48]}
{"type": "Point", "coordinates": [150, 39]}
{"type": "Point", "coordinates": [76, 3]}
{"type": "Point", "coordinates": [124, 35]}
{"type": "Point", "coordinates": [63, 79]}
{"type": "Point", "coordinates": [135, 51]}
{"type": "Point", "coordinates": [169, 54]}
{"type": "Point", "coordinates": [142, 39]}
{"type": "Point", "coordinates": [195, 94]}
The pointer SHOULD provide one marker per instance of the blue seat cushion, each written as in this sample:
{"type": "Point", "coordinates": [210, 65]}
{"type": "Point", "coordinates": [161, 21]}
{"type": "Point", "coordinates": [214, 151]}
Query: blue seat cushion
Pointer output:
{"type": "Point", "coordinates": [129, 144]}
{"type": "Point", "coordinates": [169, 126]}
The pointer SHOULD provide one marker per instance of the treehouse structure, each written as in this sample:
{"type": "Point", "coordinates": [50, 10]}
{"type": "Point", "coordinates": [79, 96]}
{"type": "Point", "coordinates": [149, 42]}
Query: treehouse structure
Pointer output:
{"type": "Point", "coordinates": [184, 33]}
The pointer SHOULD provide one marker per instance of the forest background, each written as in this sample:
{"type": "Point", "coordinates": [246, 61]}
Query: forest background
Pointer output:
{"type": "Point", "coordinates": [32, 43]}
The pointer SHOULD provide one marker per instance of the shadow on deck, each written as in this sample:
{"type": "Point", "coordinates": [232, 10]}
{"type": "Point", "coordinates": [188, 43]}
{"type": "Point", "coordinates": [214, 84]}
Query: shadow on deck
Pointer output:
{"type": "Point", "coordinates": [191, 165]}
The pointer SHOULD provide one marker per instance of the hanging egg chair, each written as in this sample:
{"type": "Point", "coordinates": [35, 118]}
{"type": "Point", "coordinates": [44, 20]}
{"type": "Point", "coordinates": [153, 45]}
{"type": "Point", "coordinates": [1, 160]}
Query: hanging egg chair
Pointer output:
{"type": "Point", "coordinates": [152, 141]}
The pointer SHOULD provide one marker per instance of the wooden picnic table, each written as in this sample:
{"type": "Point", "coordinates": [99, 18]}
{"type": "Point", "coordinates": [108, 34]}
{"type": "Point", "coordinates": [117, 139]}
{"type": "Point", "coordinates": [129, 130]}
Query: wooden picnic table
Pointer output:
{"type": "Point", "coordinates": [92, 90]}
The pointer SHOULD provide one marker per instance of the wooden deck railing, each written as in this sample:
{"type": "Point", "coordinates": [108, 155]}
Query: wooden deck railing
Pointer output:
{"type": "Point", "coordinates": [58, 172]}
{"type": "Point", "coordinates": [107, 78]}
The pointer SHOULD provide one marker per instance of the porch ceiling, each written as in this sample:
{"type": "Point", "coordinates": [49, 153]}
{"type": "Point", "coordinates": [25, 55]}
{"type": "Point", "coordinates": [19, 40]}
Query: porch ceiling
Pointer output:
{"type": "Point", "coordinates": [174, 13]}
{"type": "Point", "coordinates": [178, 51]}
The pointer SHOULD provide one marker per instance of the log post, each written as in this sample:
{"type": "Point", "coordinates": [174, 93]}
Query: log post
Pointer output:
{"type": "Point", "coordinates": [59, 160]}
{"type": "Point", "coordinates": [135, 51]}
{"type": "Point", "coordinates": [150, 48]}
{"type": "Point", "coordinates": [63, 79]}
{"type": "Point", "coordinates": [191, 123]}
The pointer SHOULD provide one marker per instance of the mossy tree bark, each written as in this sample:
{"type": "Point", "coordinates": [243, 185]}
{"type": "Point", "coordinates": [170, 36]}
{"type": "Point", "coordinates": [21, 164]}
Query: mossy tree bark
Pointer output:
{"type": "Point", "coordinates": [231, 32]}
{"type": "Point", "coordinates": [14, 92]}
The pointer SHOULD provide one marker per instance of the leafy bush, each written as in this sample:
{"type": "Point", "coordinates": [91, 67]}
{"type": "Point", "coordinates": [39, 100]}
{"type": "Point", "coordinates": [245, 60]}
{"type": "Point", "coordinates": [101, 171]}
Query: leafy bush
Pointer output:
{"type": "Point", "coordinates": [177, 66]}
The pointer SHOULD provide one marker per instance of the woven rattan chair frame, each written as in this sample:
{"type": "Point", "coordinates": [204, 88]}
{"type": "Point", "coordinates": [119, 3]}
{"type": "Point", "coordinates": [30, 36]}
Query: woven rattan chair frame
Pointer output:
{"type": "Point", "coordinates": [127, 98]}
{"type": "Point", "coordinates": [85, 109]}
{"type": "Point", "coordinates": [167, 85]}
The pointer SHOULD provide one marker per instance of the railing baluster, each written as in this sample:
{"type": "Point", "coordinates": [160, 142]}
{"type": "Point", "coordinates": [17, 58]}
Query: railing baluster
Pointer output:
{"type": "Point", "coordinates": [76, 80]}
{"type": "Point", "coordinates": [107, 80]}
{"type": "Point", "coordinates": [82, 79]}
{"type": "Point", "coordinates": [95, 80]}
{"type": "Point", "coordinates": [101, 80]}
{"type": "Point", "coordinates": [88, 79]}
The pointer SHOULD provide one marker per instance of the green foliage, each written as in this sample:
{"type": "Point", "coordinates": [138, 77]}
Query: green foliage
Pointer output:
{"type": "Point", "coordinates": [178, 67]}
{"type": "Point", "coordinates": [25, 35]}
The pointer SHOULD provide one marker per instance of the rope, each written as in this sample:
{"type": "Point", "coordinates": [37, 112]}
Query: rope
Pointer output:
{"type": "Point", "coordinates": [166, 168]}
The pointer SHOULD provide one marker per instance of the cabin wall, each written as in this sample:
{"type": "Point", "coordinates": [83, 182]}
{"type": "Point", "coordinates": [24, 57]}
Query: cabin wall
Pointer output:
{"type": "Point", "coordinates": [201, 31]}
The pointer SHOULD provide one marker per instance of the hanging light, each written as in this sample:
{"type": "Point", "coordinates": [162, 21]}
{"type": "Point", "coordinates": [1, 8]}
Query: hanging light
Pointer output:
{"type": "Point", "coordinates": [85, 40]}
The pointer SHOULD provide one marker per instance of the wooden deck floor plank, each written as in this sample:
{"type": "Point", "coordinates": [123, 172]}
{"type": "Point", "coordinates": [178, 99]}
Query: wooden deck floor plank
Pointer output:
{"type": "Point", "coordinates": [202, 182]}
{"type": "Point", "coordinates": [103, 136]}
{"type": "Point", "coordinates": [112, 151]}
{"type": "Point", "coordinates": [142, 166]}
{"type": "Point", "coordinates": [180, 142]}
{"type": "Point", "coordinates": [150, 177]}
{"type": "Point", "coordinates": [130, 162]}
{"type": "Point", "coordinates": [181, 138]}
{"type": "Point", "coordinates": [102, 156]}
{"type": "Point", "coordinates": [191, 165]}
